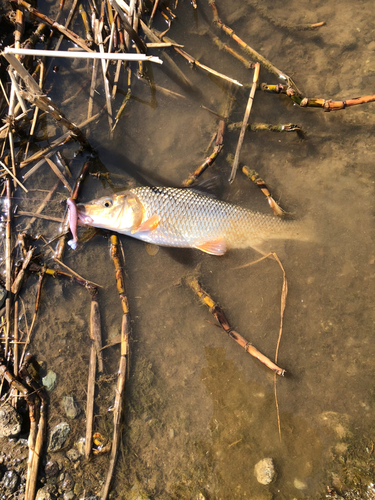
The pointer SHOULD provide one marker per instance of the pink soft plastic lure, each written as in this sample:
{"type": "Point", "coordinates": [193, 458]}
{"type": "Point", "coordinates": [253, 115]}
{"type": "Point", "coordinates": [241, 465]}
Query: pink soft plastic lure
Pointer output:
{"type": "Point", "coordinates": [73, 221]}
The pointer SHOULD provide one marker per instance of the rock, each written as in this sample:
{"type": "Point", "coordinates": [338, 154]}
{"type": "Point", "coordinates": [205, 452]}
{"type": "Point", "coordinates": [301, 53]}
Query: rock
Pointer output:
{"type": "Point", "coordinates": [73, 455]}
{"type": "Point", "coordinates": [10, 421]}
{"type": "Point", "coordinates": [264, 471]}
{"type": "Point", "coordinates": [49, 381]}
{"type": "Point", "coordinates": [80, 445]}
{"type": "Point", "coordinates": [69, 495]}
{"type": "Point", "coordinates": [68, 483]}
{"type": "Point", "coordinates": [10, 481]}
{"type": "Point", "coordinates": [70, 407]}
{"type": "Point", "coordinates": [300, 485]}
{"type": "Point", "coordinates": [51, 469]}
{"type": "Point", "coordinates": [43, 494]}
{"type": "Point", "coordinates": [58, 436]}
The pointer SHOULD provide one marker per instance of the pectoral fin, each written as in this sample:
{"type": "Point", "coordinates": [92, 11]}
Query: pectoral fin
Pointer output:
{"type": "Point", "coordinates": [148, 225]}
{"type": "Point", "coordinates": [216, 247]}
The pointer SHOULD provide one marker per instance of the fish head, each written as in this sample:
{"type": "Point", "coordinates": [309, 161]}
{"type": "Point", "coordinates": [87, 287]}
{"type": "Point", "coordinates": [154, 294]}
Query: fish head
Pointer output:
{"type": "Point", "coordinates": [118, 212]}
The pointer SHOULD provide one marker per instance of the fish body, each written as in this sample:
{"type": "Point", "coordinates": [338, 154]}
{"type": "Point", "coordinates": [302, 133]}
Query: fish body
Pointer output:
{"type": "Point", "coordinates": [185, 218]}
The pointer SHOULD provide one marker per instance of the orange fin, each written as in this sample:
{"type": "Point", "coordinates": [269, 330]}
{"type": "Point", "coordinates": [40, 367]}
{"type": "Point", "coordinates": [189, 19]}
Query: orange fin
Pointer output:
{"type": "Point", "coordinates": [216, 247]}
{"type": "Point", "coordinates": [148, 225]}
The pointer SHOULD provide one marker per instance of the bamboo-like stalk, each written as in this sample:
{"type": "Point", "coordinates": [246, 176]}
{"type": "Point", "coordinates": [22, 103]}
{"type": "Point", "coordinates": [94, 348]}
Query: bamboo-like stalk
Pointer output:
{"type": "Point", "coordinates": [218, 313]}
{"type": "Point", "coordinates": [244, 123]}
{"type": "Point", "coordinates": [249, 50]}
{"type": "Point", "coordinates": [255, 177]}
{"type": "Point", "coordinates": [68, 33]}
{"type": "Point", "coordinates": [199, 171]}
{"type": "Point", "coordinates": [123, 365]}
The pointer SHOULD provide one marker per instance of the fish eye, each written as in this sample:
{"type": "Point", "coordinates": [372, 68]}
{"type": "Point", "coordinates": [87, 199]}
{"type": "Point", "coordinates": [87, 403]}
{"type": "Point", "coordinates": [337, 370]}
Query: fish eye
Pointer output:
{"type": "Point", "coordinates": [107, 203]}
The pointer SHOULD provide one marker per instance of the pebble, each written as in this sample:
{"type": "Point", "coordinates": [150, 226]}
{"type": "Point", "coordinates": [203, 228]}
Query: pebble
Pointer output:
{"type": "Point", "coordinates": [58, 436]}
{"type": "Point", "coordinates": [69, 495]}
{"type": "Point", "coordinates": [73, 455]}
{"type": "Point", "coordinates": [49, 381]}
{"type": "Point", "coordinates": [43, 494]}
{"type": "Point", "coordinates": [10, 421]}
{"type": "Point", "coordinates": [51, 468]}
{"type": "Point", "coordinates": [80, 445]}
{"type": "Point", "coordinates": [10, 481]}
{"type": "Point", "coordinates": [264, 471]}
{"type": "Point", "coordinates": [70, 407]}
{"type": "Point", "coordinates": [68, 483]}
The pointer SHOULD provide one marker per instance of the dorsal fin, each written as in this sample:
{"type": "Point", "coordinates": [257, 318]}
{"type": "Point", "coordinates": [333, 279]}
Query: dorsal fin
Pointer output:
{"type": "Point", "coordinates": [208, 187]}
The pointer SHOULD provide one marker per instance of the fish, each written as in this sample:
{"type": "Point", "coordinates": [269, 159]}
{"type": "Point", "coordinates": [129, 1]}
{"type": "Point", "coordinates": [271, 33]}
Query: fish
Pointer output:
{"type": "Point", "coordinates": [186, 218]}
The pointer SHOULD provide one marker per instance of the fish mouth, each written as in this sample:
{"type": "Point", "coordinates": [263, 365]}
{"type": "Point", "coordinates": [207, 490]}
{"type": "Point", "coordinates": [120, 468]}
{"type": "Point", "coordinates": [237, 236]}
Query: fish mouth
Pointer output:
{"type": "Point", "coordinates": [82, 217]}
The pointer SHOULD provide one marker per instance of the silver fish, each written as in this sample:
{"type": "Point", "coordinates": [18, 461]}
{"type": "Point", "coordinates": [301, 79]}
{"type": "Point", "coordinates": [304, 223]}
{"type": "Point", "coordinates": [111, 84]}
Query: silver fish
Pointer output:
{"type": "Point", "coordinates": [185, 218]}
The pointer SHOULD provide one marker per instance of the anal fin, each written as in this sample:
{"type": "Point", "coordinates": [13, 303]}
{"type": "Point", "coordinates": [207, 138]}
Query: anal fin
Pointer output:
{"type": "Point", "coordinates": [215, 247]}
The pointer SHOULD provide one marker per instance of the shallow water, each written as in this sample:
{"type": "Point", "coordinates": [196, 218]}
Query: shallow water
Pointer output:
{"type": "Point", "coordinates": [200, 412]}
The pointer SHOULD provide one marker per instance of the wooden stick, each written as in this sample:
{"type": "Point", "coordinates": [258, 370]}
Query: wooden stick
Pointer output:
{"type": "Point", "coordinates": [244, 123]}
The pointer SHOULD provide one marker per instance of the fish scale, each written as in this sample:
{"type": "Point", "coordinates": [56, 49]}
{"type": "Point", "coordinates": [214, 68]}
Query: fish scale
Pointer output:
{"type": "Point", "coordinates": [187, 218]}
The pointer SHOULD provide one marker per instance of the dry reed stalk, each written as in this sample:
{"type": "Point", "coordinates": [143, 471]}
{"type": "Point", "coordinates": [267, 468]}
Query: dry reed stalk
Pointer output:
{"type": "Point", "coordinates": [284, 293]}
{"type": "Point", "coordinates": [35, 215]}
{"type": "Point", "coordinates": [35, 447]}
{"type": "Point", "coordinates": [56, 143]}
{"type": "Point", "coordinates": [16, 285]}
{"type": "Point", "coordinates": [15, 339]}
{"type": "Point", "coordinates": [91, 385]}
{"type": "Point", "coordinates": [68, 33]}
{"type": "Point", "coordinates": [166, 57]}
{"type": "Point", "coordinates": [36, 112]}
{"type": "Point", "coordinates": [250, 51]}
{"type": "Point", "coordinates": [35, 95]}
{"type": "Point", "coordinates": [96, 332]}
{"type": "Point", "coordinates": [218, 313]}
{"type": "Point", "coordinates": [59, 174]}
{"type": "Point", "coordinates": [195, 62]}
{"type": "Point", "coordinates": [41, 207]}
{"type": "Point", "coordinates": [103, 56]}
{"type": "Point", "coordinates": [13, 176]}
{"type": "Point", "coordinates": [8, 261]}
{"type": "Point", "coordinates": [245, 122]}
{"type": "Point", "coordinates": [123, 365]}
